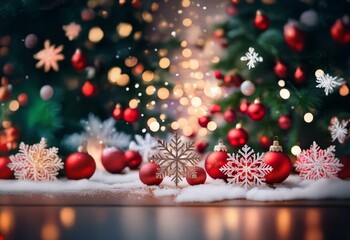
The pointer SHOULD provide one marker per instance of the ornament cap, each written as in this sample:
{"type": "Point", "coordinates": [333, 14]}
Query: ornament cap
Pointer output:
{"type": "Point", "coordinates": [257, 101]}
{"type": "Point", "coordinates": [275, 147]}
{"type": "Point", "coordinates": [220, 147]}
{"type": "Point", "coordinates": [83, 147]}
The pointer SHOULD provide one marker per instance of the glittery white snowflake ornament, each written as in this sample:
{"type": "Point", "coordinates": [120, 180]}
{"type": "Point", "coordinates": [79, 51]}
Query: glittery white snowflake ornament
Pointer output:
{"type": "Point", "coordinates": [328, 82]}
{"type": "Point", "coordinates": [252, 57]}
{"type": "Point", "coordinates": [339, 130]}
{"type": "Point", "coordinates": [316, 163]}
{"type": "Point", "coordinates": [35, 162]}
{"type": "Point", "coordinates": [146, 146]}
{"type": "Point", "coordinates": [246, 168]}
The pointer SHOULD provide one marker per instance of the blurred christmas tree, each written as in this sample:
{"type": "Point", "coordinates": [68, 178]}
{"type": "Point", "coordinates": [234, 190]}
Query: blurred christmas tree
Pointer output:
{"type": "Point", "coordinates": [62, 60]}
{"type": "Point", "coordinates": [294, 57]}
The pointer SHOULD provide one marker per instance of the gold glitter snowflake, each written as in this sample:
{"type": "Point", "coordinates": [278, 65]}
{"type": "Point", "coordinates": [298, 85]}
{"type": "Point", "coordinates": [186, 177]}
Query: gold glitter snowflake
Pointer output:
{"type": "Point", "coordinates": [49, 57]}
{"type": "Point", "coordinates": [72, 30]}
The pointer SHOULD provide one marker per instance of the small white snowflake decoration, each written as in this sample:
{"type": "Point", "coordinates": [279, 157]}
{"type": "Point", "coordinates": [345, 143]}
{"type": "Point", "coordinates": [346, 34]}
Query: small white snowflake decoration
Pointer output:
{"type": "Point", "coordinates": [146, 146]}
{"type": "Point", "coordinates": [35, 162]}
{"type": "Point", "coordinates": [338, 130]}
{"type": "Point", "coordinates": [252, 57]}
{"type": "Point", "coordinates": [246, 168]}
{"type": "Point", "coordinates": [328, 82]}
{"type": "Point", "coordinates": [316, 163]}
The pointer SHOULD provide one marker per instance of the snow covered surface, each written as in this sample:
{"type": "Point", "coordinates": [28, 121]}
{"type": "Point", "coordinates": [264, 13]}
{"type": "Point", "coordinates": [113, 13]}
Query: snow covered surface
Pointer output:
{"type": "Point", "coordinates": [214, 190]}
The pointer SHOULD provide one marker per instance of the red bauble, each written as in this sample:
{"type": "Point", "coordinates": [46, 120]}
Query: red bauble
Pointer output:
{"type": "Point", "coordinates": [131, 115]}
{"type": "Point", "coordinates": [118, 112]}
{"type": "Point", "coordinates": [280, 70]}
{"type": "Point", "coordinates": [5, 90]}
{"type": "Point", "coordinates": [280, 163]}
{"type": "Point", "coordinates": [344, 172]}
{"type": "Point", "coordinates": [215, 161]}
{"type": "Point", "coordinates": [148, 174]}
{"type": "Point", "coordinates": [113, 160]}
{"type": "Point", "coordinates": [284, 122]}
{"type": "Point", "coordinates": [230, 115]}
{"type": "Point", "coordinates": [201, 146]}
{"type": "Point", "coordinates": [264, 141]}
{"type": "Point", "coordinates": [79, 165]}
{"type": "Point", "coordinates": [261, 22]}
{"type": "Point", "coordinates": [340, 32]}
{"type": "Point", "coordinates": [299, 76]}
{"type": "Point", "coordinates": [203, 121]}
{"type": "Point", "coordinates": [294, 37]}
{"type": "Point", "coordinates": [218, 75]}
{"type": "Point", "coordinates": [233, 79]}
{"type": "Point", "coordinates": [12, 134]}
{"type": "Point", "coordinates": [5, 171]}
{"type": "Point", "coordinates": [133, 159]}
{"type": "Point", "coordinates": [79, 60]}
{"type": "Point", "coordinates": [243, 106]}
{"type": "Point", "coordinates": [200, 177]}
{"type": "Point", "coordinates": [237, 137]}
{"type": "Point", "coordinates": [22, 99]}
{"type": "Point", "coordinates": [215, 109]}
{"type": "Point", "coordinates": [88, 89]}
{"type": "Point", "coordinates": [256, 111]}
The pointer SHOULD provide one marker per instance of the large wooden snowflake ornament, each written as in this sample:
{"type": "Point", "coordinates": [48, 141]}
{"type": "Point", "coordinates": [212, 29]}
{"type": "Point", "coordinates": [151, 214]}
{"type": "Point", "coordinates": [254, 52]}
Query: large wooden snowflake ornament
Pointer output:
{"type": "Point", "coordinates": [246, 168]}
{"type": "Point", "coordinates": [176, 159]}
{"type": "Point", "coordinates": [316, 163]}
{"type": "Point", "coordinates": [35, 162]}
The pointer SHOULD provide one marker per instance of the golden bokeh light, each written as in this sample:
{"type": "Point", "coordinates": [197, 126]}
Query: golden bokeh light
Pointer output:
{"type": "Point", "coordinates": [187, 52]}
{"type": "Point", "coordinates": [187, 131]}
{"type": "Point", "coordinates": [163, 93]}
{"type": "Point", "coordinates": [114, 74]}
{"type": "Point", "coordinates": [151, 120]}
{"type": "Point", "coordinates": [196, 102]}
{"type": "Point", "coordinates": [187, 22]}
{"type": "Point", "coordinates": [175, 125]}
{"type": "Point", "coordinates": [67, 217]}
{"type": "Point", "coordinates": [343, 90]}
{"type": "Point", "coordinates": [154, 126]}
{"type": "Point", "coordinates": [284, 93]}
{"type": "Point", "coordinates": [202, 132]}
{"type": "Point", "coordinates": [281, 83]}
{"type": "Point", "coordinates": [133, 103]}
{"type": "Point", "coordinates": [50, 231]}
{"type": "Point", "coordinates": [212, 126]}
{"type": "Point", "coordinates": [319, 73]}
{"type": "Point", "coordinates": [124, 29]}
{"type": "Point", "coordinates": [131, 61]}
{"type": "Point", "coordinates": [194, 64]}
{"type": "Point", "coordinates": [147, 17]}
{"type": "Point", "coordinates": [164, 63]}
{"type": "Point", "coordinates": [185, 3]}
{"type": "Point", "coordinates": [150, 90]}
{"type": "Point", "coordinates": [183, 44]}
{"type": "Point", "coordinates": [308, 117]}
{"type": "Point", "coordinates": [295, 150]}
{"type": "Point", "coordinates": [184, 101]}
{"type": "Point", "coordinates": [95, 34]}
{"type": "Point", "coordinates": [14, 105]}
{"type": "Point", "coordinates": [123, 80]}
{"type": "Point", "coordinates": [147, 76]}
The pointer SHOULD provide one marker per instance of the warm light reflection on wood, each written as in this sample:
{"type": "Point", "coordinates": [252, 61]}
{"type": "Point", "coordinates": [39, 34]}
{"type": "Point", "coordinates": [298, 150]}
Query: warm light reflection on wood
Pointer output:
{"type": "Point", "coordinates": [67, 217]}
{"type": "Point", "coordinates": [213, 224]}
{"type": "Point", "coordinates": [252, 224]}
{"type": "Point", "coordinates": [313, 225]}
{"type": "Point", "coordinates": [50, 231]}
{"type": "Point", "coordinates": [283, 223]}
{"type": "Point", "coordinates": [6, 220]}
{"type": "Point", "coordinates": [231, 217]}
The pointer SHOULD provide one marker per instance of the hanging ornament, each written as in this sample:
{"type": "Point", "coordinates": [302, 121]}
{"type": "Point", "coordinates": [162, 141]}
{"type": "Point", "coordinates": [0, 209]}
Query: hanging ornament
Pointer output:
{"type": "Point", "coordinates": [22, 99]}
{"type": "Point", "coordinates": [12, 134]}
{"type": "Point", "coordinates": [118, 112]}
{"type": "Point", "coordinates": [131, 115]}
{"type": "Point", "coordinates": [80, 164]}
{"type": "Point", "coordinates": [264, 141]}
{"type": "Point", "coordinates": [218, 75]}
{"type": "Point", "coordinates": [294, 37]}
{"type": "Point", "coordinates": [88, 89]}
{"type": "Point", "coordinates": [5, 171]}
{"type": "Point", "coordinates": [256, 111]}
{"type": "Point", "coordinates": [280, 163]}
{"type": "Point", "coordinates": [340, 31]}
{"type": "Point", "coordinates": [79, 60]}
{"type": "Point", "coordinates": [8, 69]}
{"type": "Point", "coordinates": [148, 174]}
{"type": "Point", "coordinates": [247, 88]}
{"type": "Point", "coordinates": [5, 90]}
{"type": "Point", "coordinates": [203, 121]}
{"type": "Point", "coordinates": [216, 160]}
{"type": "Point", "coordinates": [284, 122]}
{"type": "Point", "coordinates": [199, 177]}
{"type": "Point", "coordinates": [46, 92]}
{"type": "Point", "coordinates": [30, 41]}
{"type": "Point", "coordinates": [87, 14]}
{"type": "Point", "coordinates": [215, 108]}
{"type": "Point", "coordinates": [243, 106]}
{"type": "Point", "coordinates": [299, 76]}
{"type": "Point", "coordinates": [261, 22]}
{"type": "Point", "coordinates": [237, 137]}
{"type": "Point", "coordinates": [309, 18]}
{"type": "Point", "coordinates": [233, 79]}
{"type": "Point", "coordinates": [280, 70]}
{"type": "Point", "coordinates": [201, 145]}
{"type": "Point", "coordinates": [230, 115]}
{"type": "Point", "coordinates": [344, 172]}
{"type": "Point", "coordinates": [133, 159]}
{"type": "Point", "coordinates": [113, 160]}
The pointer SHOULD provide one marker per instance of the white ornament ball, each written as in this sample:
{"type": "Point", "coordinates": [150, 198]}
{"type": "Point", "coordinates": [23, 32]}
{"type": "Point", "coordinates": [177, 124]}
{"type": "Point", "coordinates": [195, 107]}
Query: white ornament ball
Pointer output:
{"type": "Point", "coordinates": [309, 18]}
{"type": "Point", "coordinates": [247, 88]}
{"type": "Point", "coordinates": [46, 92]}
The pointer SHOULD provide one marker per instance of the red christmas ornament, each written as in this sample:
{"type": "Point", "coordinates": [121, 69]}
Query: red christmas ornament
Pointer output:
{"type": "Point", "coordinates": [218, 75]}
{"type": "Point", "coordinates": [279, 161]}
{"type": "Point", "coordinates": [284, 122]}
{"type": "Point", "coordinates": [201, 146]}
{"type": "Point", "coordinates": [294, 37]}
{"type": "Point", "coordinates": [261, 22]}
{"type": "Point", "coordinates": [203, 121]}
{"type": "Point", "coordinates": [5, 171]}
{"type": "Point", "coordinates": [133, 159]}
{"type": "Point", "coordinates": [243, 106]}
{"type": "Point", "coordinates": [215, 109]}
{"type": "Point", "coordinates": [8, 69]}
{"type": "Point", "coordinates": [299, 76]}
{"type": "Point", "coordinates": [22, 99]}
{"type": "Point", "coordinates": [5, 90]}
{"type": "Point", "coordinates": [88, 89]}
{"type": "Point", "coordinates": [216, 160]}
{"type": "Point", "coordinates": [280, 70]}
{"type": "Point", "coordinates": [87, 14]}
{"type": "Point", "coordinates": [200, 178]}
{"type": "Point", "coordinates": [80, 164]}
{"type": "Point", "coordinates": [344, 172]}
{"type": "Point", "coordinates": [12, 134]}
{"type": "Point", "coordinates": [113, 160]}
{"type": "Point", "coordinates": [340, 31]}
{"type": "Point", "coordinates": [256, 111]}
{"type": "Point", "coordinates": [118, 112]}
{"type": "Point", "coordinates": [148, 174]}
{"type": "Point", "coordinates": [131, 115]}
{"type": "Point", "coordinates": [264, 141]}
{"type": "Point", "coordinates": [237, 137]}
{"type": "Point", "coordinates": [79, 60]}
{"type": "Point", "coordinates": [230, 115]}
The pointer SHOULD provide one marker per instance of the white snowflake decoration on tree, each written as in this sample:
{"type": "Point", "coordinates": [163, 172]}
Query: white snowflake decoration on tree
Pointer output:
{"type": "Point", "coordinates": [316, 163]}
{"type": "Point", "coordinates": [252, 57]}
{"type": "Point", "coordinates": [146, 146]}
{"type": "Point", "coordinates": [246, 168]}
{"type": "Point", "coordinates": [35, 162]}
{"type": "Point", "coordinates": [338, 130]}
{"type": "Point", "coordinates": [176, 159]}
{"type": "Point", "coordinates": [328, 82]}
